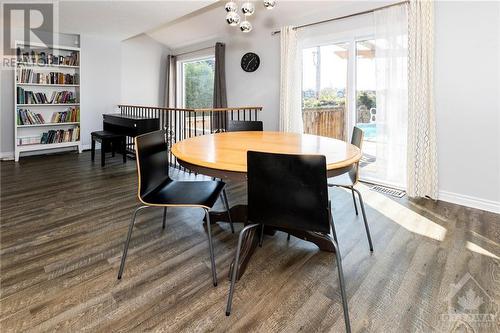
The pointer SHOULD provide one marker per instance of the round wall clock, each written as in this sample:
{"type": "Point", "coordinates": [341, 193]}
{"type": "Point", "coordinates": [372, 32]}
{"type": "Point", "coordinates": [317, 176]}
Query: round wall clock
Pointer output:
{"type": "Point", "coordinates": [250, 62]}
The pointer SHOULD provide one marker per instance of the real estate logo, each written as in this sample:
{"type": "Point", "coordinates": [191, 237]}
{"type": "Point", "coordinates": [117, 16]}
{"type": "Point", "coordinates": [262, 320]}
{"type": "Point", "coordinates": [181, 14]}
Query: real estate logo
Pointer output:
{"type": "Point", "coordinates": [32, 23]}
{"type": "Point", "coordinates": [470, 305]}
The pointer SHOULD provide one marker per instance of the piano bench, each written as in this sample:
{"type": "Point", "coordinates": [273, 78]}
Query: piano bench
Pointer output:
{"type": "Point", "coordinates": [109, 141]}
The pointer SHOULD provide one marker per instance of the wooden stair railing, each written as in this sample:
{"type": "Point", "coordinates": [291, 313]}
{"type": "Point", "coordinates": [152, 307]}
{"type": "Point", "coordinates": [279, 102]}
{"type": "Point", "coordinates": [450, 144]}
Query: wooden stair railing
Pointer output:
{"type": "Point", "coordinates": [181, 123]}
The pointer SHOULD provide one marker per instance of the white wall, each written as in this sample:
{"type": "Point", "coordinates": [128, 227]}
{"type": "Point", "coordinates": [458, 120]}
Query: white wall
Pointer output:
{"type": "Point", "coordinates": [100, 82]}
{"type": "Point", "coordinates": [143, 65]}
{"type": "Point", "coordinates": [467, 100]}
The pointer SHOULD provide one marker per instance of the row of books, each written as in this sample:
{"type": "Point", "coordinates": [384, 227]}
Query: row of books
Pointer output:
{"type": "Point", "coordinates": [58, 97]}
{"type": "Point", "coordinates": [58, 136]}
{"type": "Point", "coordinates": [26, 75]}
{"type": "Point", "coordinates": [71, 115]}
{"type": "Point", "coordinates": [42, 58]}
{"type": "Point", "coordinates": [52, 136]}
{"type": "Point", "coordinates": [28, 117]}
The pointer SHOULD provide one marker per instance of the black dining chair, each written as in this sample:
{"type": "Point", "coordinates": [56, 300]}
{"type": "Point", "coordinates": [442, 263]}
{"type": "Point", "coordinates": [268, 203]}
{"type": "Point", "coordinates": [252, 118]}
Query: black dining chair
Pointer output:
{"type": "Point", "coordinates": [349, 179]}
{"type": "Point", "coordinates": [244, 125]}
{"type": "Point", "coordinates": [157, 189]}
{"type": "Point", "coordinates": [289, 191]}
{"type": "Point", "coordinates": [240, 126]}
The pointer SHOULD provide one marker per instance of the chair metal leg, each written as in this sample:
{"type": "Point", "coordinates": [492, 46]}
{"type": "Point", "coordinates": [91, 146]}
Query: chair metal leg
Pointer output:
{"type": "Point", "coordinates": [364, 218]}
{"type": "Point", "coordinates": [332, 225]}
{"type": "Point", "coordinates": [288, 237]}
{"type": "Point", "coordinates": [127, 241]}
{"type": "Point", "coordinates": [235, 267]}
{"type": "Point", "coordinates": [354, 200]}
{"type": "Point", "coordinates": [164, 218]}
{"type": "Point", "coordinates": [342, 288]}
{"type": "Point", "coordinates": [211, 248]}
{"type": "Point", "coordinates": [226, 204]}
{"type": "Point", "coordinates": [338, 258]}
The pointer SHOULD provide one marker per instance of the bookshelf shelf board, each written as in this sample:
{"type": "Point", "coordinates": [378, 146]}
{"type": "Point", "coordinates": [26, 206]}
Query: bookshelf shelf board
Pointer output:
{"type": "Point", "coordinates": [29, 64]}
{"type": "Point", "coordinates": [49, 104]}
{"type": "Point", "coordinates": [48, 85]}
{"type": "Point", "coordinates": [49, 124]}
{"type": "Point", "coordinates": [41, 146]}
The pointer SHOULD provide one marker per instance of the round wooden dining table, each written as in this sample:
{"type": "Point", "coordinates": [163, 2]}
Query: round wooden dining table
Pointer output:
{"type": "Point", "coordinates": [224, 155]}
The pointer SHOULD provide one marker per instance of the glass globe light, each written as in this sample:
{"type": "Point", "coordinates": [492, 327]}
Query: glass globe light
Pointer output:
{"type": "Point", "coordinates": [231, 6]}
{"type": "Point", "coordinates": [248, 8]}
{"type": "Point", "coordinates": [269, 4]}
{"type": "Point", "coordinates": [245, 26]}
{"type": "Point", "coordinates": [232, 19]}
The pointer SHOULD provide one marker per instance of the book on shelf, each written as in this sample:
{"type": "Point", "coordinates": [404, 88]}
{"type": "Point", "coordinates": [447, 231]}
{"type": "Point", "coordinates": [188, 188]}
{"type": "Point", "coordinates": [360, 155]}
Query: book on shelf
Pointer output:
{"type": "Point", "coordinates": [58, 97]}
{"type": "Point", "coordinates": [27, 75]}
{"type": "Point", "coordinates": [72, 115]}
{"type": "Point", "coordinates": [60, 136]}
{"type": "Point", "coordinates": [27, 117]}
{"type": "Point", "coordinates": [43, 58]}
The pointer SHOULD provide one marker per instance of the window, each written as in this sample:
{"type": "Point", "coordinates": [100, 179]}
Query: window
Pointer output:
{"type": "Point", "coordinates": [324, 89]}
{"type": "Point", "coordinates": [196, 83]}
{"type": "Point", "coordinates": [366, 102]}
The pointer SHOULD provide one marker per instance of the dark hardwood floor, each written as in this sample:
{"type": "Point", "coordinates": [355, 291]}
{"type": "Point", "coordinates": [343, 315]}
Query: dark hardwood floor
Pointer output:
{"type": "Point", "coordinates": [64, 221]}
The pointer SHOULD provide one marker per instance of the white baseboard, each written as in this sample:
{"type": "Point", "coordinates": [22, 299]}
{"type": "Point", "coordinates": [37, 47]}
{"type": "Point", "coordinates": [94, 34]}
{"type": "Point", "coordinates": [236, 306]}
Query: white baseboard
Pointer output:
{"type": "Point", "coordinates": [6, 156]}
{"type": "Point", "coordinates": [9, 155]}
{"type": "Point", "coordinates": [469, 201]}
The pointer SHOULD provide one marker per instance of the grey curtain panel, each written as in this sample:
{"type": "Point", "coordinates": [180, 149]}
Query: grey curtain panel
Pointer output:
{"type": "Point", "coordinates": [220, 96]}
{"type": "Point", "coordinates": [170, 82]}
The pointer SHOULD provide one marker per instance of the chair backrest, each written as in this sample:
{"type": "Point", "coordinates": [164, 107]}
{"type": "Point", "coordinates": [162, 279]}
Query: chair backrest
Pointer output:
{"type": "Point", "coordinates": [152, 161]}
{"type": "Point", "coordinates": [357, 137]}
{"type": "Point", "coordinates": [288, 191]}
{"type": "Point", "coordinates": [357, 140]}
{"type": "Point", "coordinates": [240, 126]}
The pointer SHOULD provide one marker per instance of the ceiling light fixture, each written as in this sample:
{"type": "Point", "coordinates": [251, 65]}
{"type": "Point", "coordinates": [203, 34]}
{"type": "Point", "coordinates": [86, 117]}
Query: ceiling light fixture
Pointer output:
{"type": "Point", "coordinates": [248, 9]}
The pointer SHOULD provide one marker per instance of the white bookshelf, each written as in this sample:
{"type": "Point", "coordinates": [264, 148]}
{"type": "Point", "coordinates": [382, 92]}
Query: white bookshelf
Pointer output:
{"type": "Point", "coordinates": [34, 131]}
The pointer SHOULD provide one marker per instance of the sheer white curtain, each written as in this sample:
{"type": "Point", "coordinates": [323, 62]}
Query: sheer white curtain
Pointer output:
{"type": "Point", "coordinates": [290, 117]}
{"type": "Point", "coordinates": [422, 151]}
{"type": "Point", "coordinates": [391, 63]}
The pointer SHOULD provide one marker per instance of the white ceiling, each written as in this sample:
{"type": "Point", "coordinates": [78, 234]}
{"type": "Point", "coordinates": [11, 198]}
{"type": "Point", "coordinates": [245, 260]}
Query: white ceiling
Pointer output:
{"type": "Point", "coordinates": [121, 19]}
{"type": "Point", "coordinates": [209, 24]}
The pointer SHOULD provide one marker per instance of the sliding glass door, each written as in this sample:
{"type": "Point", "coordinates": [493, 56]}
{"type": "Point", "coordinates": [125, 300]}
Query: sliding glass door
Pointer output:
{"type": "Point", "coordinates": [348, 84]}
{"type": "Point", "coordinates": [366, 104]}
{"type": "Point", "coordinates": [324, 90]}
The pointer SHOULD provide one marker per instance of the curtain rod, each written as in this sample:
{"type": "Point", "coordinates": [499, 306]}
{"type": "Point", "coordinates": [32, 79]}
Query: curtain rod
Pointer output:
{"type": "Point", "coordinates": [205, 48]}
{"type": "Point", "coordinates": [343, 17]}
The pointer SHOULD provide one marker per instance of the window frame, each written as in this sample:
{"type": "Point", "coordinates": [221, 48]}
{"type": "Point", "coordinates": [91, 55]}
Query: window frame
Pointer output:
{"type": "Point", "coordinates": [181, 81]}
{"type": "Point", "coordinates": [358, 35]}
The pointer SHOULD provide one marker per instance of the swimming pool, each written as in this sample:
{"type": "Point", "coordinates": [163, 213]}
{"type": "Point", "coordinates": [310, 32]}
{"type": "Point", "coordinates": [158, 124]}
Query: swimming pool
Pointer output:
{"type": "Point", "coordinates": [370, 130]}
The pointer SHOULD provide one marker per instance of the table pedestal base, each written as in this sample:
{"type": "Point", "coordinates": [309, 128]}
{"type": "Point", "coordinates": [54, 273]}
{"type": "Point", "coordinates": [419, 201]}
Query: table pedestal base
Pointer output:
{"type": "Point", "coordinates": [251, 239]}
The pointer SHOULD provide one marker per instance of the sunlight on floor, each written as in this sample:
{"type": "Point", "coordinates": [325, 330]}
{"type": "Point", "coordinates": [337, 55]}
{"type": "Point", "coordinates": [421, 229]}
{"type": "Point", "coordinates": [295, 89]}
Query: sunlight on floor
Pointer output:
{"type": "Point", "coordinates": [402, 215]}
{"type": "Point", "coordinates": [478, 249]}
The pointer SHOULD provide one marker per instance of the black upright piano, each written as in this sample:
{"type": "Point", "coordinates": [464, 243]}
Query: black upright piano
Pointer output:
{"type": "Point", "coordinates": [129, 125]}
